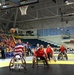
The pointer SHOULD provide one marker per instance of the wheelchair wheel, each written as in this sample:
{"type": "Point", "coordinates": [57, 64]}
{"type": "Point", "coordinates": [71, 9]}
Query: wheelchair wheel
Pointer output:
{"type": "Point", "coordinates": [37, 60]}
{"type": "Point", "coordinates": [34, 62]}
{"type": "Point", "coordinates": [54, 58]}
{"type": "Point", "coordinates": [65, 56]}
{"type": "Point", "coordinates": [17, 63]}
{"type": "Point", "coordinates": [24, 63]}
{"type": "Point", "coordinates": [60, 56]}
{"type": "Point", "coordinates": [11, 64]}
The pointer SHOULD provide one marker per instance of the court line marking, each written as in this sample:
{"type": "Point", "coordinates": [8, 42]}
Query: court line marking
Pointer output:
{"type": "Point", "coordinates": [5, 64]}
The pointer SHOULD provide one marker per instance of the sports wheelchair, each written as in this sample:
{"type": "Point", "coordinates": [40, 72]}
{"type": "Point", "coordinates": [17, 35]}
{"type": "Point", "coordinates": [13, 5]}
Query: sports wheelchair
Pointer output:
{"type": "Point", "coordinates": [62, 56]}
{"type": "Point", "coordinates": [50, 56]}
{"type": "Point", "coordinates": [17, 62]}
{"type": "Point", "coordinates": [36, 60]}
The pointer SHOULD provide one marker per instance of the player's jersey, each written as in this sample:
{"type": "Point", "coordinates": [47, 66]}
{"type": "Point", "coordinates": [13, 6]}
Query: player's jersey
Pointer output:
{"type": "Point", "coordinates": [62, 49]}
{"type": "Point", "coordinates": [49, 50]}
{"type": "Point", "coordinates": [39, 53]}
{"type": "Point", "coordinates": [18, 48]}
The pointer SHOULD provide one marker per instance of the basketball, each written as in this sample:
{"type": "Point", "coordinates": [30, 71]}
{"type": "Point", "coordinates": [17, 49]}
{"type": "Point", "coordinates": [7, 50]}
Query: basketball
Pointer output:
{"type": "Point", "coordinates": [12, 30]}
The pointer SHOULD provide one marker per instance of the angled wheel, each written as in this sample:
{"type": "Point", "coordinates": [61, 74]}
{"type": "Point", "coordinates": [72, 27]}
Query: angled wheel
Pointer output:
{"type": "Point", "coordinates": [60, 56]}
{"type": "Point", "coordinates": [11, 64]}
{"type": "Point", "coordinates": [23, 63]}
{"type": "Point", "coordinates": [65, 56]}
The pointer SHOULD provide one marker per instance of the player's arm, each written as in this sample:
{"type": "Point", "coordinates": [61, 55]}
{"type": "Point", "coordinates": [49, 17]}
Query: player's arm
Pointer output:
{"type": "Point", "coordinates": [13, 39]}
{"type": "Point", "coordinates": [66, 50]}
{"type": "Point", "coordinates": [46, 53]}
{"type": "Point", "coordinates": [34, 51]}
{"type": "Point", "coordinates": [52, 52]}
{"type": "Point", "coordinates": [24, 51]}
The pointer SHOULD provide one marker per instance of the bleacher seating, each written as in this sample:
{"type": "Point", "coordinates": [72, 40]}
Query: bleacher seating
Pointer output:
{"type": "Point", "coordinates": [56, 40]}
{"type": "Point", "coordinates": [35, 41]}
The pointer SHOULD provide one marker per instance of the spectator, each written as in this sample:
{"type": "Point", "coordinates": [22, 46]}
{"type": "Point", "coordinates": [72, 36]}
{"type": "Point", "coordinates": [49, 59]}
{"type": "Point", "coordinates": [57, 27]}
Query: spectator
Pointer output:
{"type": "Point", "coordinates": [2, 48]}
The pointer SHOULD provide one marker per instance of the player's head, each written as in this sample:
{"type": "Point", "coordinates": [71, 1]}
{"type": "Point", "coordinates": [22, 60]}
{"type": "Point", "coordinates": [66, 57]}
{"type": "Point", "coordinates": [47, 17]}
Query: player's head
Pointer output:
{"type": "Point", "coordinates": [19, 41]}
{"type": "Point", "coordinates": [27, 42]}
{"type": "Point", "coordinates": [41, 46]}
{"type": "Point", "coordinates": [48, 45]}
{"type": "Point", "coordinates": [62, 45]}
{"type": "Point", "coordinates": [37, 45]}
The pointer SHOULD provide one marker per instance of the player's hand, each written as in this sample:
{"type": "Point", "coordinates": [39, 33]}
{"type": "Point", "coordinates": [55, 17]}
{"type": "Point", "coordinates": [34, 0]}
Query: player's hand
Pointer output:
{"type": "Point", "coordinates": [24, 57]}
{"type": "Point", "coordinates": [47, 59]}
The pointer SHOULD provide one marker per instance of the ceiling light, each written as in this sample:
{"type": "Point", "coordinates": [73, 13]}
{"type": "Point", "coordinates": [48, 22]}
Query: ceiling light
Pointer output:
{"type": "Point", "coordinates": [4, 6]}
{"type": "Point", "coordinates": [68, 3]}
{"type": "Point", "coordinates": [0, 4]}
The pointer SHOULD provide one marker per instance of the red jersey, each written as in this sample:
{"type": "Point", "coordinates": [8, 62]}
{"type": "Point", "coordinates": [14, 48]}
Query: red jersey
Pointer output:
{"type": "Point", "coordinates": [49, 50]}
{"type": "Point", "coordinates": [62, 49]}
{"type": "Point", "coordinates": [39, 53]}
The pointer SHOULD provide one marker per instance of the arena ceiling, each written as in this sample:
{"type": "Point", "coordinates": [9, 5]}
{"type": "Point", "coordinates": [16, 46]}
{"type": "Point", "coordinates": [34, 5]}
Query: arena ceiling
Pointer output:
{"type": "Point", "coordinates": [44, 9]}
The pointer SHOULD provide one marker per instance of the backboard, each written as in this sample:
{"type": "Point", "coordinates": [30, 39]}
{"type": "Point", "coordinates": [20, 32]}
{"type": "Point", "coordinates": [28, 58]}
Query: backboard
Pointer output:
{"type": "Point", "coordinates": [7, 4]}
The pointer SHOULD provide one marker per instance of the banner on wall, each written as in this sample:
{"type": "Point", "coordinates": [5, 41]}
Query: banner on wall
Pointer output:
{"type": "Point", "coordinates": [28, 32]}
{"type": "Point", "coordinates": [31, 32]}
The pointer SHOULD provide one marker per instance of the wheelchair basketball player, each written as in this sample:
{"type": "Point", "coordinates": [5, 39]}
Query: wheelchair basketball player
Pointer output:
{"type": "Point", "coordinates": [19, 51]}
{"type": "Point", "coordinates": [63, 53]}
{"type": "Point", "coordinates": [50, 53]}
{"type": "Point", "coordinates": [41, 55]}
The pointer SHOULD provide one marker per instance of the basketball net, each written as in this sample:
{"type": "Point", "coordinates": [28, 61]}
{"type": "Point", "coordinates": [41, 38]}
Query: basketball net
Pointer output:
{"type": "Point", "coordinates": [23, 10]}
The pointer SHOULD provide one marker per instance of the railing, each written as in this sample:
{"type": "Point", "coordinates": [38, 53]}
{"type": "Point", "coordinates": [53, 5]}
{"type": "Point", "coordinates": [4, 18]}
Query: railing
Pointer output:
{"type": "Point", "coordinates": [27, 37]}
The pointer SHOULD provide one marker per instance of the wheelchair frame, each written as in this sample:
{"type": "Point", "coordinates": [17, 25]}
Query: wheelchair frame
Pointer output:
{"type": "Point", "coordinates": [14, 63]}
{"type": "Point", "coordinates": [36, 60]}
{"type": "Point", "coordinates": [62, 56]}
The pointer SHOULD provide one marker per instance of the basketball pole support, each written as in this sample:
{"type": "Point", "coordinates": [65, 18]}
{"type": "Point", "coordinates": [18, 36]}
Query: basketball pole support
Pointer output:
{"type": "Point", "coordinates": [14, 24]}
{"type": "Point", "coordinates": [9, 20]}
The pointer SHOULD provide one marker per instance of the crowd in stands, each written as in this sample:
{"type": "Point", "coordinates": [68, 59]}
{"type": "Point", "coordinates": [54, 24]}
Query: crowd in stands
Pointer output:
{"type": "Point", "coordinates": [7, 46]}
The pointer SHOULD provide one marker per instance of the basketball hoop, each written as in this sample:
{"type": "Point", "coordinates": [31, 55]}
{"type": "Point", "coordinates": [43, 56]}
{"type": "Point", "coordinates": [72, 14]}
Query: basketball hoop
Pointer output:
{"type": "Point", "coordinates": [23, 10]}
